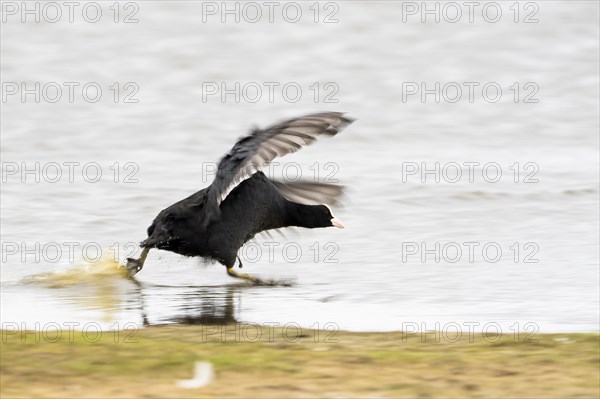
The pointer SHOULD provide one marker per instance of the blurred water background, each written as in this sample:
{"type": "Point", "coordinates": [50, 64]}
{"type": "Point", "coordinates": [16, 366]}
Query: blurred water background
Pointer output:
{"type": "Point", "coordinates": [360, 278]}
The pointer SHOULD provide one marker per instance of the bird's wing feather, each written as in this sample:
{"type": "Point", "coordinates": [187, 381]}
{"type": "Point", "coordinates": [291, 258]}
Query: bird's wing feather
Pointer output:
{"type": "Point", "coordinates": [310, 193]}
{"type": "Point", "coordinates": [260, 147]}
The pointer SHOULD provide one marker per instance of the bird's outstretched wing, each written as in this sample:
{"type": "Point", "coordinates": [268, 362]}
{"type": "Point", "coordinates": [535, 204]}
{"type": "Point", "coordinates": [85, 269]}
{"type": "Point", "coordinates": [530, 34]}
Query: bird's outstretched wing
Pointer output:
{"type": "Point", "coordinates": [260, 147]}
{"type": "Point", "coordinates": [310, 193]}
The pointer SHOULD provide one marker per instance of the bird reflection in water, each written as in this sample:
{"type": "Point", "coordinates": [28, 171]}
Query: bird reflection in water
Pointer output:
{"type": "Point", "coordinates": [189, 305]}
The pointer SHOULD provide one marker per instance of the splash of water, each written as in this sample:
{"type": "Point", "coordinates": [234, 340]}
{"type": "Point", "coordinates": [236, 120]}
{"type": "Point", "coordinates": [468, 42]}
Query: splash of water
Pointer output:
{"type": "Point", "coordinates": [103, 270]}
{"type": "Point", "coordinates": [94, 285]}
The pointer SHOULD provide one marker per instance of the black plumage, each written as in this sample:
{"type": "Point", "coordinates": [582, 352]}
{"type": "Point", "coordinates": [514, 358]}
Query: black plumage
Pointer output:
{"type": "Point", "coordinates": [215, 222]}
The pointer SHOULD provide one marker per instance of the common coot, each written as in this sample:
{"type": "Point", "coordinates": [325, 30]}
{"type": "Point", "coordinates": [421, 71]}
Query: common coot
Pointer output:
{"type": "Point", "coordinates": [215, 222]}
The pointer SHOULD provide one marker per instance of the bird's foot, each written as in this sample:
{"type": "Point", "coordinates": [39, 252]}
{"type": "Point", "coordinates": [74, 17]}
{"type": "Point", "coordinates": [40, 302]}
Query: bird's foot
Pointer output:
{"type": "Point", "coordinates": [133, 266]}
{"type": "Point", "coordinates": [243, 276]}
{"type": "Point", "coordinates": [257, 281]}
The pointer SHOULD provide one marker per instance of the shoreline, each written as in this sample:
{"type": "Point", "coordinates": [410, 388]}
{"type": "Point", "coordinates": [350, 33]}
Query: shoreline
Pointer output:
{"type": "Point", "coordinates": [251, 361]}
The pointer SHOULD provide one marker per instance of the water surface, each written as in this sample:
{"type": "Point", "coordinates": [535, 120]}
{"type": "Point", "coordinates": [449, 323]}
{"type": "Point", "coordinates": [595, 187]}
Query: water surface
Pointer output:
{"type": "Point", "coordinates": [367, 282]}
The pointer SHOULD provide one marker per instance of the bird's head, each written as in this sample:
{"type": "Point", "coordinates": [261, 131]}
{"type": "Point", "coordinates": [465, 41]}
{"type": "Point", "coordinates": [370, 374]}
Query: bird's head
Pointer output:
{"type": "Point", "coordinates": [323, 217]}
{"type": "Point", "coordinates": [335, 222]}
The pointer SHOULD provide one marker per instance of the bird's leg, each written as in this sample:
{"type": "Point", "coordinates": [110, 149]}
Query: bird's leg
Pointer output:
{"type": "Point", "coordinates": [133, 266]}
{"type": "Point", "coordinates": [248, 277]}
{"type": "Point", "coordinates": [255, 280]}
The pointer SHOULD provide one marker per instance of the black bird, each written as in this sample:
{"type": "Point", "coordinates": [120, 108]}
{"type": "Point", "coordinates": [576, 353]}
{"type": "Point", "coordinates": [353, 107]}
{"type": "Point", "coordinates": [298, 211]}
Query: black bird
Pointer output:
{"type": "Point", "coordinates": [215, 222]}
